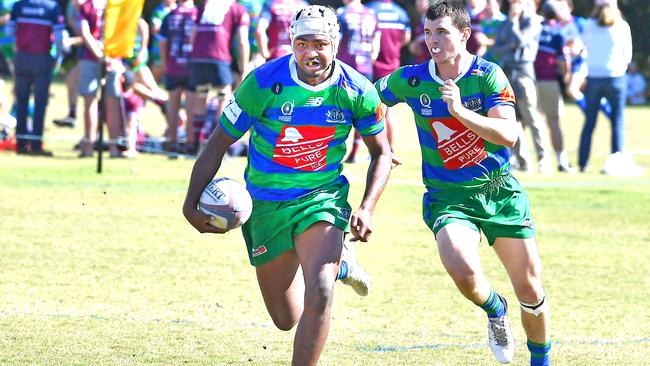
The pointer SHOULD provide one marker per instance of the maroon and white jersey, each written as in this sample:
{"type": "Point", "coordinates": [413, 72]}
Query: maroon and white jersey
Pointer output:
{"type": "Point", "coordinates": [35, 21]}
{"type": "Point", "coordinates": [278, 13]}
{"type": "Point", "coordinates": [393, 24]}
{"type": "Point", "coordinates": [177, 29]}
{"type": "Point", "coordinates": [92, 13]}
{"type": "Point", "coordinates": [359, 27]}
{"type": "Point", "coordinates": [217, 23]}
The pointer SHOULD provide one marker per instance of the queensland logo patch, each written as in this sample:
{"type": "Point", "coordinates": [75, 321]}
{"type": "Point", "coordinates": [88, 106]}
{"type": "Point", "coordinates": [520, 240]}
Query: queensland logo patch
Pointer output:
{"type": "Point", "coordinates": [303, 147]}
{"type": "Point", "coordinates": [459, 147]}
{"type": "Point", "coordinates": [287, 111]}
{"type": "Point", "coordinates": [425, 102]}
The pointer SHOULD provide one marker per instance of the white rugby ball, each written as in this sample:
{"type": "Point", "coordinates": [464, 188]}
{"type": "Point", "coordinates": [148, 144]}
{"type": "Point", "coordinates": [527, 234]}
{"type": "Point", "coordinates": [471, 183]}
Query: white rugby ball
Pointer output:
{"type": "Point", "coordinates": [227, 202]}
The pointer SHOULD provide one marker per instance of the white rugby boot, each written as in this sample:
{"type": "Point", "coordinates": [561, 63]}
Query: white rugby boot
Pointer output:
{"type": "Point", "coordinates": [357, 277]}
{"type": "Point", "coordinates": [500, 338]}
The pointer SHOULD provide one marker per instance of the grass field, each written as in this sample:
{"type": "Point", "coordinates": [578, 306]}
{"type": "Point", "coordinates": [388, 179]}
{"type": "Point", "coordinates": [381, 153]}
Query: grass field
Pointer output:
{"type": "Point", "coordinates": [104, 270]}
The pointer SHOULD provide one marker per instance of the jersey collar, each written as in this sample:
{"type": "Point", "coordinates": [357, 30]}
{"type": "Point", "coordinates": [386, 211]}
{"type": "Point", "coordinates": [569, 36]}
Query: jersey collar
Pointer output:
{"type": "Point", "coordinates": [314, 88]}
{"type": "Point", "coordinates": [464, 69]}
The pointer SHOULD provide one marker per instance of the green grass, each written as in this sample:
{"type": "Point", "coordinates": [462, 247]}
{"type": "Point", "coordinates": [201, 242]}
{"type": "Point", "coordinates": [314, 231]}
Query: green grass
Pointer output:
{"type": "Point", "coordinates": [104, 270]}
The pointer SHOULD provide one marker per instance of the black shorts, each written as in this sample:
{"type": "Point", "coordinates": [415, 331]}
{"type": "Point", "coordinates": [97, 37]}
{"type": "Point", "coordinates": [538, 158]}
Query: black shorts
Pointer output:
{"type": "Point", "coordinates": [173, 82]}
{"type": "Point", "coordinates": [217, 73]}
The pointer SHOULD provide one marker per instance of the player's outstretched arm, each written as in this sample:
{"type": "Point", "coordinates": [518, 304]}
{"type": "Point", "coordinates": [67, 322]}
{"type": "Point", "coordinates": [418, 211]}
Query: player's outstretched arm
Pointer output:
{"type": "Point", "coordinates": [378, 173]}
{"type": "Point", "coordinates": [205, 168]}
{"type": "Point", "coordinates": [499, 127]}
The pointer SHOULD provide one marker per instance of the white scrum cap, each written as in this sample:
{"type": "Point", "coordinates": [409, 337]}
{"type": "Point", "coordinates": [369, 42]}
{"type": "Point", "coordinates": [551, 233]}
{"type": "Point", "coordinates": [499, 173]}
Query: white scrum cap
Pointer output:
{"type": "Point", "coordinates": [315, 20]}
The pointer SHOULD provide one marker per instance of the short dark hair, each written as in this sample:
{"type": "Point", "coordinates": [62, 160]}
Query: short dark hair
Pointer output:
{"type": "Point", "coordinates": [454, 9]}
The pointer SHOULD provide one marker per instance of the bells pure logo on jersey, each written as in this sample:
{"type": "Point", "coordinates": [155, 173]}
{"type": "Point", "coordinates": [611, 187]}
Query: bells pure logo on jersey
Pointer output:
{"type": "Point", "coordinates": [303, 147]}
{"type": "Point", "coordinates": [459, 147]}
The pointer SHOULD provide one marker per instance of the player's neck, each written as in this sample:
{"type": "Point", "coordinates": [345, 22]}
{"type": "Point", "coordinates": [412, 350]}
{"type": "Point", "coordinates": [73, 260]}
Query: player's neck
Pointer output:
{"type": "Point", "coordinates": [451, 68]}
{"type": "Point", "coordinates": [315, 80]}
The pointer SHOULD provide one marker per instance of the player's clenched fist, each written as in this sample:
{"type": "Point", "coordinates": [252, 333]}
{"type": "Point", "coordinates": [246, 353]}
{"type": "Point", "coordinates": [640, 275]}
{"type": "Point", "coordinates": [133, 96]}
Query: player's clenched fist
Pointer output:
{"type": "Point", "coordinates": [451, 95]}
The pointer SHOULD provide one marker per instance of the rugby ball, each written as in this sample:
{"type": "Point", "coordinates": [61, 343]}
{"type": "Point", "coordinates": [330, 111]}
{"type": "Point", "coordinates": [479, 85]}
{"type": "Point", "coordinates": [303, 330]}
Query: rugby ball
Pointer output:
{"type": "Point", "coordinates": [227, 202]}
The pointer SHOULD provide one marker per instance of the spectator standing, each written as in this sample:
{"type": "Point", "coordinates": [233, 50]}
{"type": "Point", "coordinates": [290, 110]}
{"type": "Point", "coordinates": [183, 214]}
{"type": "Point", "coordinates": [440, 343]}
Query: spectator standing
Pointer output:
{"type": "Point", "coordinates": [71, 67]}
{"type": "Point", "coordinates": [636, 85]}
{"type": "Point", "coordinates": [395, 28]}
{"type": "Point", "coordinates": [417, 46]}
{"type": "Point", "coordinates": [489, 25]}
{"type": "Point", "coordinates": [477, 10]}
{"type": "Point", "coordinates": [516, 44]}
{"type": "Point", "coordinates": [133, 105]}
{"type": "Point", "coordinates": [359, 46]}
{"type": "Point", "coordinates": [159, 13]}
{"type": "Point", "coordinates": [210, 60]}
{"type": "Point", "coordinates": [36, 23]}
{"type": "Point", "coordinates": [174, 39]}
{"type": "Point", "coordinates": [608, 41]}
{"type": "Point", "coordinates": [553, 64]}
{"type": "Point", "coordinates": [272, 32]}
{"type": "Point", "coordinates": [92, 62]}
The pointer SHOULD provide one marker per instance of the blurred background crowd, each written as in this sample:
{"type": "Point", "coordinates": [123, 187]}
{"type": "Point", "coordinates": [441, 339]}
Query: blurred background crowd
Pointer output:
{"type": "Point", "coordinates": [190, 56]}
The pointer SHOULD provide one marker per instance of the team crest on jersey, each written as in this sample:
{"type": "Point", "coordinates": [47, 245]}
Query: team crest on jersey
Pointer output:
{"type": "Point", "coordinates": [303, 147]}
{"type": "Point", "coordinates": [425, 101]}
{"type": "Point", "coordinates": [287, 111]}
{"type": "Point", "coordinates": [473, 104]}
{"type": "Point", "coordinates": [314, 101]}
{"type": "Point", "coordinates": [276, 88]}
{"type": "Point", "coordinates": [335, 116]}
{"type": "Point", "coordinates": [414, 81]}
{"type": "Point", "coordinates": [459, 147]}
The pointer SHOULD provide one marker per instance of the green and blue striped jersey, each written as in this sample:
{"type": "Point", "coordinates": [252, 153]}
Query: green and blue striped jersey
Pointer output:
{"type": "Point", "coordinates": [298, 131]}
{"type": "Point", "coordinates": [453, 156]}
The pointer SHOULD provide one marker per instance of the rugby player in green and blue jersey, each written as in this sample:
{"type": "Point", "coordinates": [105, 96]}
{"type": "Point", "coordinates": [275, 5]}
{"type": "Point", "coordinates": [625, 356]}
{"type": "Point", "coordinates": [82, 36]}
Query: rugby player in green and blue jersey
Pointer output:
{"type": "Point", "coordinates": [464, 111]}
{"type": "Point", "coordinates": [300, 109]}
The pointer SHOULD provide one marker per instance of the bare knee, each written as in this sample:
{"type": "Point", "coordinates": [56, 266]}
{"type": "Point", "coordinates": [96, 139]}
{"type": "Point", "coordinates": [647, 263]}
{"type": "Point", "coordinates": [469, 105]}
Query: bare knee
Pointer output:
{"type": "Point", "coordinates": [529, 292]}
{"type": "Point", "coordinates": [284, 321]}
{"type": "Point", "coordinates": [318, 297]}
{"type": "Point", "coordinates": [465, 278]}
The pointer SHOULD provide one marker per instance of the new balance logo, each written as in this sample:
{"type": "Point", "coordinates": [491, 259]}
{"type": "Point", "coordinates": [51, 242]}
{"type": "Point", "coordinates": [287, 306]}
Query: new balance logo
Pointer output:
{"type": "Point", "coordinates": [314, 102]}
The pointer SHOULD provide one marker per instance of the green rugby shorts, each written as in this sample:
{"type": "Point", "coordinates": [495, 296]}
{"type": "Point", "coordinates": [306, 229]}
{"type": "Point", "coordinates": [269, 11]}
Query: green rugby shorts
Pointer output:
{"type": "Point", "coordinates": [498, 209]}
{"type": "Point", "coordinates": [271, 229]}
